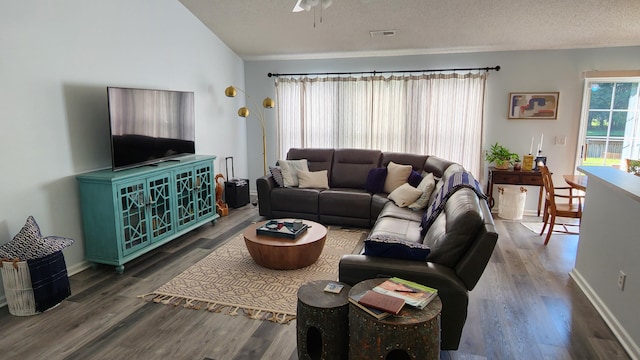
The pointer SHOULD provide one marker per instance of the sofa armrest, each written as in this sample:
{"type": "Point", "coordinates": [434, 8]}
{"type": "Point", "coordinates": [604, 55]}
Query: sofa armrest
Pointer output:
{"type": "Point", "coordinates": [472, 264]}
{"type": "Point", "coordinates": [264, 186]}
{"type": "Point", "coordinates": [452, 291]}
{"type": "Point", "coordinates": [356, 268]}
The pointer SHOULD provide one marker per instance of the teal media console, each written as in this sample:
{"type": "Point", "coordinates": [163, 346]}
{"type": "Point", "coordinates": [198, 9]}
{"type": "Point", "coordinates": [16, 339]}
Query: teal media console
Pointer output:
{"type": "Point", "coordinates": [130, 212]}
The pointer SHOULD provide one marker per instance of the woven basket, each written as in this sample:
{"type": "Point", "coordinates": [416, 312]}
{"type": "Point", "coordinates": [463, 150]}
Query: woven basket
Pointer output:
{"type": "Point", "coordinates": [18, 289]}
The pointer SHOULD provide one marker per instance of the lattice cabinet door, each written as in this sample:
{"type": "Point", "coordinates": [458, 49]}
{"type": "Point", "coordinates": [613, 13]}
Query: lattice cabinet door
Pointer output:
{"type": "Point", "coordinates": [133, 216]}
{"type": "Point", "coordinates": [160, 208]}
{"type": "Point", "coordinates": [204, 191]}
{"type": "Point", "coordinates": [185, 199]}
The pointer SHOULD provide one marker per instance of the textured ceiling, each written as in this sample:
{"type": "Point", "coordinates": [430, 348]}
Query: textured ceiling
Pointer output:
{"type": "Point", "coordinates": [267, 29]}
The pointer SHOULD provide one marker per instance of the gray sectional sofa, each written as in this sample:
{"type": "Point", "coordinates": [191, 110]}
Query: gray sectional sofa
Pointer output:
{"type": "Point", "coordinates": [461, 238]}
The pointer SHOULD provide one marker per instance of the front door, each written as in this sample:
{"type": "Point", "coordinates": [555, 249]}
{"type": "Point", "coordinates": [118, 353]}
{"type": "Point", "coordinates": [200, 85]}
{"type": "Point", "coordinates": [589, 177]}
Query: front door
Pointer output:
{"type": "Point", "coordinates": [610, 122]}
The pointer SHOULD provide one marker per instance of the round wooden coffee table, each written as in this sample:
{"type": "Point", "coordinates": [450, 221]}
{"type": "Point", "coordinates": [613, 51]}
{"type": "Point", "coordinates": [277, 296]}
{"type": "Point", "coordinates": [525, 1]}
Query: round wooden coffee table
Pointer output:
{"type": "Point", "coordinates": [283, 253]}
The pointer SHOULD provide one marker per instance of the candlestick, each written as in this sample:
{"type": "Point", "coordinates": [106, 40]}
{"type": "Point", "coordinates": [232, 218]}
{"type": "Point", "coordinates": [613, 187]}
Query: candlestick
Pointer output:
{"type": "Point", "coordinates": [531, 147]}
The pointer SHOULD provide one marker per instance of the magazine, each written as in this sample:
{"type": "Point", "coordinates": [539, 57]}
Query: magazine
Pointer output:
{"type": "Point", "coordinates": [414, 294]}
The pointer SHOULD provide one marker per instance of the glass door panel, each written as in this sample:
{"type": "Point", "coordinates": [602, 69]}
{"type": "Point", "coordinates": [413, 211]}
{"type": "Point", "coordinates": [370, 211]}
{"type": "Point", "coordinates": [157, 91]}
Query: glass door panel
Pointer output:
{"type": "Point", "coordinates": [610, 124]}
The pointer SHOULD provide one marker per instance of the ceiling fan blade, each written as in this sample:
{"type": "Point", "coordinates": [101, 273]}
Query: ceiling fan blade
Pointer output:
{"type": "Point", "coordinates": [298, 6]}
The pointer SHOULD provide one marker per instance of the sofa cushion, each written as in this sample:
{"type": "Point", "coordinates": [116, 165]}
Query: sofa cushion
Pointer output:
{"type": "Point", "coordinates": [317, 159]}
{"type": "Point", "coordinates": [394, 211]}
{"type": "Point", "coordinates": [392, 247]}
{"type": "Point", "coordinates": [375, 180]}
{"type": "Point", "coordinates": [350, 203]}
{"type": "Point", "coordinates": [404, 195]}
{"type": "Point", "coordinates": [313, 179]}
{"type": "Point", "coordinates": [426, 187]}
{"type": "Point", "coordinates": [295, 200]}
{"type": "Point", "coordinates": [290, 170]}
{"type": "Point", "coordinates": [447, 187]}
{"type": "Point", "coordinates": [351, 167]}
{"type": "Point", "coordinates": [416, 161]}
{"type": "Point", "coordinates": [414, 178]}
{"type": "Point", "coordinates": [398, 228]}
{"type": "Point", "coordinates": [396, 175]}
{"type": "Point", "coordinates": [276, 173]}
{"type": "Point", "coordinates": [455, 228]}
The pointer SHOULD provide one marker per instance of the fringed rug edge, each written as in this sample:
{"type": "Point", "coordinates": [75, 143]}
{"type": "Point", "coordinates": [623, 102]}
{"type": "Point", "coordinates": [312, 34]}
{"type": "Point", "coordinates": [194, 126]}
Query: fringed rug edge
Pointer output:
{"type": "Point", "coordinates": [278, 317]}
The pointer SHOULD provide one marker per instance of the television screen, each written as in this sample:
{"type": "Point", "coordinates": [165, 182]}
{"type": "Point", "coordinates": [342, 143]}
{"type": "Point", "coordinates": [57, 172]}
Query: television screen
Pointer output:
{"type": "Point", "coordinates": [149, 126]}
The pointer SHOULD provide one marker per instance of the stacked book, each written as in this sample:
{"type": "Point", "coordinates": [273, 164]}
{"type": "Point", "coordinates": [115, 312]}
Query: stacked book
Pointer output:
{"type": "Point", "coordinates": [389, 297]}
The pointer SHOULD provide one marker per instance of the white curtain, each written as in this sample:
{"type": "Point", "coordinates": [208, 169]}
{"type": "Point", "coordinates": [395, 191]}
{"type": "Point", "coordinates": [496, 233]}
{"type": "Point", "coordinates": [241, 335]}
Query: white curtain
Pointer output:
{"type": "Point", "coordinates": [433, 114]}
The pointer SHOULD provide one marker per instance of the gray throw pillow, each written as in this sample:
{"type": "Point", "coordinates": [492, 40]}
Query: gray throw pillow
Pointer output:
{"type": "Point", "coordinates": [276, 172]}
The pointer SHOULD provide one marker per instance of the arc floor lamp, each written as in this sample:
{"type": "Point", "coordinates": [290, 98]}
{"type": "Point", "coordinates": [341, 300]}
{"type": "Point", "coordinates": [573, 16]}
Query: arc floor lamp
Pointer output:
{"type": "Point", "coordinates": [267, 103]}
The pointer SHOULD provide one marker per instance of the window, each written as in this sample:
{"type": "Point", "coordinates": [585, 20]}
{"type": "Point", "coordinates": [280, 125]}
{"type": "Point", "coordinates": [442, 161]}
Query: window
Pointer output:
{"type": "Point", "coordinates": [610, 125]}
{"type": "Point", "coordinates": [433, 114]}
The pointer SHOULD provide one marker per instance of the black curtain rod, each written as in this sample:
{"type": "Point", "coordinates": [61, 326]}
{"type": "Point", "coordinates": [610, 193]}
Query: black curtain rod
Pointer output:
{"type": "Point", "coordinates": [496, 68]}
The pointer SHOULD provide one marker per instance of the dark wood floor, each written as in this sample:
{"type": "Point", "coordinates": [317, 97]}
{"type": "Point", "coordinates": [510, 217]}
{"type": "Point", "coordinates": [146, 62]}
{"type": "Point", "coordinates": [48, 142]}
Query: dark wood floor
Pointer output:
{"type": "Point", "coordinates": [524, 307]}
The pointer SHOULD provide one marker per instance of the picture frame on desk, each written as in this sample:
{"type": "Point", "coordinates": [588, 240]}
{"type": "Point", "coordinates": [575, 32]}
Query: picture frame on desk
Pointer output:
{"type": "Point", "coordinates": [537, 161]}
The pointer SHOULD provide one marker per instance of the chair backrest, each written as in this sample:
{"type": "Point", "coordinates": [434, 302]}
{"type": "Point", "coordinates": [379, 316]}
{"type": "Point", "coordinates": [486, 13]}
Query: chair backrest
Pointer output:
{"type": "Point", "coordinates": [547, 181]}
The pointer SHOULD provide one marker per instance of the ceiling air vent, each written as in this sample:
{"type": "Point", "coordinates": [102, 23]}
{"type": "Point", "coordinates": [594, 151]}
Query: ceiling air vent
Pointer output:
{"type": "Point", "coordinates": [382, 33]}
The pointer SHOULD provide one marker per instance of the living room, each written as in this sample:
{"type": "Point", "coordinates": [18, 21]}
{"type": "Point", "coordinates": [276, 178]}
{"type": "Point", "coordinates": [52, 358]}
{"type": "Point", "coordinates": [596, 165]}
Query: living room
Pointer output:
{"type": "Point", "coordinates": [58, 58]}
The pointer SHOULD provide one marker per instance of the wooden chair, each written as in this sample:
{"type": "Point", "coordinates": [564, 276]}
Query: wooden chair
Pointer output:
{"type": "Point", "coordinates": [558, 205]}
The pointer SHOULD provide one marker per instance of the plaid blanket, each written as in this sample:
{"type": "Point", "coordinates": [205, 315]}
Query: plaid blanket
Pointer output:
{"type": "Point", "coordinates": [49, 280]}
{"type": "Point", "coordinates": [457, 181]}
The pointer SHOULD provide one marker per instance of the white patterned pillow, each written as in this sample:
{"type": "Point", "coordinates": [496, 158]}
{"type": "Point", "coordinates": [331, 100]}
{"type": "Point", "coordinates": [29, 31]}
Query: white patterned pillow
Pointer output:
{"type": "Point", "coordinates": [290, 170]}
{"type": "Point", "coordinates": [29, 244]}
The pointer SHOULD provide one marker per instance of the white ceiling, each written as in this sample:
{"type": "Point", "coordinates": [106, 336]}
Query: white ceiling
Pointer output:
{"type": "Point", "coordinates": [267, 29]}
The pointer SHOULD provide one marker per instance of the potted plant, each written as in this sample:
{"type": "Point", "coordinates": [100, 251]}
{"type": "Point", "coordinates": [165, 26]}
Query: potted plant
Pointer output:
{"type": "Point", "coordinates": [501, 156]}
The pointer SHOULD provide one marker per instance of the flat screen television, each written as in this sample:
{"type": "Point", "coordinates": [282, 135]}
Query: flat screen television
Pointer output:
{"type": "Point", "coordinates": [149, 126]}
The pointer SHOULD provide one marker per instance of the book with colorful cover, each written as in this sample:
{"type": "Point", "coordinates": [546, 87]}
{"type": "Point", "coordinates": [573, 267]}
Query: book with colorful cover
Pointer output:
{"type": "Point", "coordinates": [414, 294]}
{"type": "Point", "coordinates": [378, 314]}
{"type": "Point", "coordinates": [383, 302]}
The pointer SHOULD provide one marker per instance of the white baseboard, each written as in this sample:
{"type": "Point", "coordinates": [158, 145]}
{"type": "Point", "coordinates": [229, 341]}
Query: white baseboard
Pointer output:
{"type": "Point", "coordinates": [618, 331]}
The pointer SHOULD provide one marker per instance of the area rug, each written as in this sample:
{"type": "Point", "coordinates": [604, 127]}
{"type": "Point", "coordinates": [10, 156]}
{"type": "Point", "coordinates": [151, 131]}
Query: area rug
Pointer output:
{"type": "Point", "coordinates": [571, 225]}
{"type": "Point", "coordinates": [229, 281]}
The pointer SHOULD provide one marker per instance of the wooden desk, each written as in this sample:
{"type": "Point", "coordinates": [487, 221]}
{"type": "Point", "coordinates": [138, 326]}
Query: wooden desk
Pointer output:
{"type": "Point", "coordinates": [578, 182]}
{"type": "Point", "coordinates": [519, 177]}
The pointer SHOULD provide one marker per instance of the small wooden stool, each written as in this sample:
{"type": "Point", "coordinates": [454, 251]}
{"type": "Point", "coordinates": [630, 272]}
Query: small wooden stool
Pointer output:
{"type": "Point", "coordinates": [322, 322]}
{"type": "Point", "coordinates": [412, 334]}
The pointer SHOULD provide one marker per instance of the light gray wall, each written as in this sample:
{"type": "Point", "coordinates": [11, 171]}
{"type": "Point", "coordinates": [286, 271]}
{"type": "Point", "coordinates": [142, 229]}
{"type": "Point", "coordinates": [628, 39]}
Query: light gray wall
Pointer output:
{"type": "Point", "coordinates": [609, 244]}
{"type": "Point", "coordinates": [57, 59]}
{"type": "Point", "coordinates": [522, 71]}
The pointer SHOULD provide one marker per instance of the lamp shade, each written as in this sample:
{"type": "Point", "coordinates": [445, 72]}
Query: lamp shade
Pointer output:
{"type": "Point", "coordinates": [230, 91]}
{"type": "Point", "coordinates": [244, 112]}
{"type": "Point", "coordinates": [268, 103]}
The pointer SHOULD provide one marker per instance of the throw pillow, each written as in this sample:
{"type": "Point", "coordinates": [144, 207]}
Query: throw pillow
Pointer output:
{"type": "Point", "coordinates": [391, 247]}
{"type": "Point", "coordinates": [29, 244]}
{"type": "Point", "coordinates": [396, 176]}
{"type": "Point", "coordinates": [427, 185]}
{"type": "Point", "coordinates": [375, 180]}
{"type": "Point", "coordinates": [414, 178]}
{"type": "Point", "coordinates": [313, 179]}
{"type": "Point", "coordinates": [290, 169]}
{"type": "Point", "coordinates": [404, 195]}
{"type": "Point", "coordinates": [276, 172]}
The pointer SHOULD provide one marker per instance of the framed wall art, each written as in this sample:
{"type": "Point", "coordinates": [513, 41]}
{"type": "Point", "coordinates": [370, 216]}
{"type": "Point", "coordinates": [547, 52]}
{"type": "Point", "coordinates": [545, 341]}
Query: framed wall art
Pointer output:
{"type": "Point", "coordinates": [533, 105]}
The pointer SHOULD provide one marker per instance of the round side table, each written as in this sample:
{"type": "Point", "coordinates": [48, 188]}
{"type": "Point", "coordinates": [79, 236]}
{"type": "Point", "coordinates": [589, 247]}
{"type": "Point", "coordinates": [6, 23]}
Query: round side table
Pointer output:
{"type": "Point", "coordinates": [322, 322]}
{"type": "Point", "coordinates": [412, 334]}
